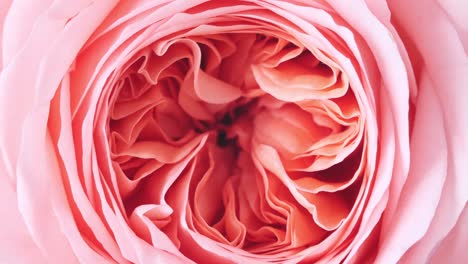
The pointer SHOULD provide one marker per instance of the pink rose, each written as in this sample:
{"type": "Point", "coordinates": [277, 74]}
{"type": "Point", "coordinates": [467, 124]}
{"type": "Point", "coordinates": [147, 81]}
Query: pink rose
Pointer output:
{"type": "Point", "coordinates": [249, 131]}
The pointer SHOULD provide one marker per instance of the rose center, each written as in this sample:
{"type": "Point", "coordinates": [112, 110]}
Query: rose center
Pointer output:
{"type": "Point", "coordinates": [232, 133]}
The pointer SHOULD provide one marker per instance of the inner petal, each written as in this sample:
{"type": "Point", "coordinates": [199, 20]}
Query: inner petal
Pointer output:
{"type": "Point", "coordinates": [249, 128]}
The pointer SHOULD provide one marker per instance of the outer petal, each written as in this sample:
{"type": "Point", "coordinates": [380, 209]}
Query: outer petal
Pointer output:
{"type": "Point", "coordinates": [19, 23]}
{"type": "Point", "coordinates": [425, 180]}
{"type": "Point", "coordinates": [41, 200]}
{"type": "Point", "coordinates": [4, 7]}
{"type": "Point", "coordinates": [457, 11]}
{"type": "Point", "coordinates": [16, 245]}
{"type": "Point", "coordinates": [443, 85]}
{"type": "Point", "coordinates": [453, 248]}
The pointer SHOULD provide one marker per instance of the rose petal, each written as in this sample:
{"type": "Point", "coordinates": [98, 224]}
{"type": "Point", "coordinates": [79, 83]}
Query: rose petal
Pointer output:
{"type": "Point", "coordinates": [425, 181]}
{"type": "Point", "coordinates": [445, 84]}
{"type": "Point", "coordinates": [4, 10]}
{"type": "Point", "coordinates": [452, 248]}
{"type": "Point", "coordinates": [16, 245]}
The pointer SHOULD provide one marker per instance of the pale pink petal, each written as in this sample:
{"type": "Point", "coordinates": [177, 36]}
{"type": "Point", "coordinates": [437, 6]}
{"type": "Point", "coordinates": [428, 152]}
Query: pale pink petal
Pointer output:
{"type": "Point", "coordinates": [425, 181]}
{"type": "Point", "coordinates": [457, 13]}
{"type": "Point", "coordinates": [445, 92]}
{"type": "Point", "coordinates": [4, 8]}
{"type": "Point", "coordinates": [16, 245]}
{"type": "Point", "coordinates": [453, 248]}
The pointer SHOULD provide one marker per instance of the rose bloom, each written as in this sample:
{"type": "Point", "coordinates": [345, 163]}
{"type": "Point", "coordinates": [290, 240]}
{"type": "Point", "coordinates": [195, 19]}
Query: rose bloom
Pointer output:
{"type": "Point", "coordinates": [255, 131]}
